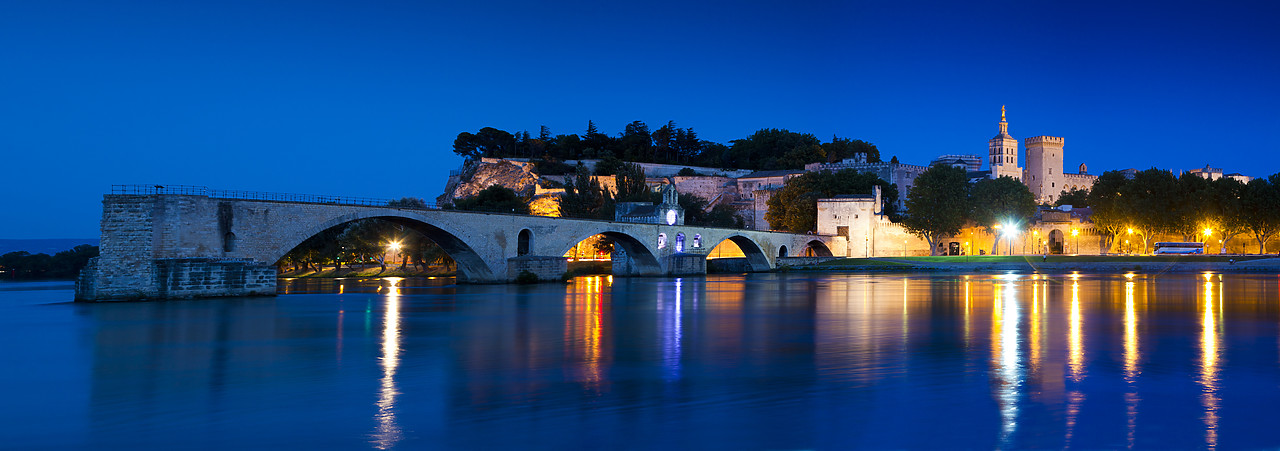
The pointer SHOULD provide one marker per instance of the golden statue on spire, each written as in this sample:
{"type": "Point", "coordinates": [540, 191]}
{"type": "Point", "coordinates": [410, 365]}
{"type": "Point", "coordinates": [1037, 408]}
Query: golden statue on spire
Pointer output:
{"type": "Point", "coordinates": [1002, 113]}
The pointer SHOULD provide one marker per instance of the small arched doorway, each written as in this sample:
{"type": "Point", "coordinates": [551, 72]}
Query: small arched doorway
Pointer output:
{"type": "Point", "coordinates": [782, 251]}
{"type": "Point", "coordinates": [524, 242]}
{"type": "Point", "coordinates": [1057, 241]}
{"type": "Point", "coordinates": [679, 242]}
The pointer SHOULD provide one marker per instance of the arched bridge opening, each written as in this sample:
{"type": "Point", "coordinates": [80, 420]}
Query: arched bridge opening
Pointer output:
{"type": "Point", "coordinates": [817, 248]}
{"type": "Point", "coordinates": [737, 253]}
{"type": "Point", "coordinates": [384, 241]}
{"type": "Point", "coordinates": [625, 254]}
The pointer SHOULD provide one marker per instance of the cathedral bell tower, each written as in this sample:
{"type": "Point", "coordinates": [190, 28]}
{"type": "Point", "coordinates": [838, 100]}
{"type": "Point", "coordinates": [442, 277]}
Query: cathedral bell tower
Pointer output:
{"type": "Point", "coordinates": [1003, 150]}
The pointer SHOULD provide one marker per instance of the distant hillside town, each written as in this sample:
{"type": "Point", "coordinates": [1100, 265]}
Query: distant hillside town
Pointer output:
{"type": "Point", "coordinates": [745, 175]}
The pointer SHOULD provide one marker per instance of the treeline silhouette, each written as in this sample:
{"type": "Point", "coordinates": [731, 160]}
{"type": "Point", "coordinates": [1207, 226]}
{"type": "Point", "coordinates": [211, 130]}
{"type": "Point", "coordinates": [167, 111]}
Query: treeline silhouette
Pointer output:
{"type": "Point", "coordinates": [22, 265]}
{"type": "Point", "coordinates": [766, 149]}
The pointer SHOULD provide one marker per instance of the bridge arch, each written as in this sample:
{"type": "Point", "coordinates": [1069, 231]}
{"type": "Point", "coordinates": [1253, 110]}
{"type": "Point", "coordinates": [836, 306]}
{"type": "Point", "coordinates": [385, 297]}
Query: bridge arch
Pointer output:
{"type": "Point", "coordinates": [757, 260]}
{"type": "Point", "coordinates": [471, 266]}
{"type": "Point", "coordinates": [640, 255]}
{"type": "Point", "coordinates": [817, 248]}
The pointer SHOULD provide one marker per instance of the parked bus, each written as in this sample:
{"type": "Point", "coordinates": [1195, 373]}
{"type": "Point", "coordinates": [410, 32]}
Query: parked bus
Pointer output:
{"type": "Point", "coordinates": [1179, 248]}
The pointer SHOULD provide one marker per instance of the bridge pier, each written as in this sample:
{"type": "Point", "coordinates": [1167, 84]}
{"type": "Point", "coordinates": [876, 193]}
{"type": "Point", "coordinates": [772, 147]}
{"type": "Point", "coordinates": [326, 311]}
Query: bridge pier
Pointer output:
{"type": "Point", "coordinates": [181, 278]}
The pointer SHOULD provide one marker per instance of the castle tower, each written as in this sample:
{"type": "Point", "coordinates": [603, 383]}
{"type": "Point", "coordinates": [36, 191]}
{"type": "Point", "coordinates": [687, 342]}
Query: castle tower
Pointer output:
{"type": "Point", "coordinates": [1044, 167]}
{"type": "Point", "coordinates": [1003, 151]}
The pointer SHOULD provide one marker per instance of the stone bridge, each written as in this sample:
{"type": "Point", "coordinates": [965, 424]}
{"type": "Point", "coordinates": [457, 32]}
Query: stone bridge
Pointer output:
{"type": "Point", "coordinates": [172, 243]}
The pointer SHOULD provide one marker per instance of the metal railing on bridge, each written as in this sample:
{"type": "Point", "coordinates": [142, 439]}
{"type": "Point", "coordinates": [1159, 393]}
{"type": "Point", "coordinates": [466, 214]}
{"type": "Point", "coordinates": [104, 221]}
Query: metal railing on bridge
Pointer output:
{"type": "Point", "coordinates": [258, 195]}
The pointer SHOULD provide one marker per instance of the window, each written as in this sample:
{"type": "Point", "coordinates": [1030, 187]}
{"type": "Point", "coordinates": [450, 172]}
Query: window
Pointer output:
{"type": "Point", "coordinates": [842, 231]}
{"type": "Point", "coordinates": [662, 240]}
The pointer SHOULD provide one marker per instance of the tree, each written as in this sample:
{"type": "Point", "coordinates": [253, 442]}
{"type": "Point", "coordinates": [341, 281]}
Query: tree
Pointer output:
{"type": "Point", "coordinates": [495, 198]}
{"type": "Point", "coordinates": [1261, 207]}
{"type": "Point", "coordinates": [1149, 199]}
{"type": "Point", "coordinates": [367, 239]}
{"type": "Point", "coordinates": [1076, 197]}
{"type": "Point", "coordinates": [630, 184]}
{"type": "Point", "coordinates": [488, 142]}
{"type": "Point", "coordinates": [608, 164]}
{"type": "Point", "coordinates": [1109, 213]}
{"type": "Point", "coordinates": [937, 204]}
{"type": "Point", "coordinates": [795, 207]}
{"type": "Point", "coordinates": [1190, 207]}
{"type": "Point", "coordinates": [1228, 216]}
{"type": "Point", "coordinates": [842, 148]}
{"type": "Point", "coordinates": [1003, 201]}
{"type": "Point", "coordinates": [636, 142]}
{"type": "Point", "coordinates": [766, 148]}
{"type": "Point", "coordinates": [584, 197]}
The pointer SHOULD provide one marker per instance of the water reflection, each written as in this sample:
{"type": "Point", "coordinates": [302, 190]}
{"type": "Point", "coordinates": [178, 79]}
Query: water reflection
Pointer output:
{"type": "Point", "coordinates": [388, 432]}
{"type": "Point", "coordinates": [1075, 361]}
{"type": "Point", "coordinates": [670, 317]}
{"type": "Point", "coordinates": [1006, 355]}
{"type": "Point", "coordinates": [585, 329]}
{"type": "Point", "coordinates": [1209, 354]}
{"type": "Point", "coordinates": [1131, 397]}
{"type": "Point", "coordinates": [761, 361]}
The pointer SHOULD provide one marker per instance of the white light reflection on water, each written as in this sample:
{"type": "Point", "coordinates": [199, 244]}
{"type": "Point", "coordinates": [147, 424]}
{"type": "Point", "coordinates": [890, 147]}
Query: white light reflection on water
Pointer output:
{"type": "Point", "coordinates": [1005, 350]}
{"type": "Point", "coordinates": [1131, 356]}
{"type": "Point", "coordinates": [1075, 361]}
{"type": "Point", "coordinates": [388, 432]}
{"type": "Point", "coordinates": [1209, 352]}
{"type": "Point", "coordinates": [670, 318]}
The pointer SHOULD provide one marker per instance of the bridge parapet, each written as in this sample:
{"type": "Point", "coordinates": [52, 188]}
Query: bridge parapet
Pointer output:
{"type": "Point", "coordinates": [193, 190]}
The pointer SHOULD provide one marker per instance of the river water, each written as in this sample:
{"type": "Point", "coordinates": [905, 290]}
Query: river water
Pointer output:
{"type": "Point", "coordinates": [763, 361]}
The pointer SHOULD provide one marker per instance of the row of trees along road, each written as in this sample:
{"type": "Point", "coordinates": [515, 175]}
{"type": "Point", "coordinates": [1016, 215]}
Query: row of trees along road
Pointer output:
{"type": "Point", "coordinates": [1155, 202]}
{"type": "Point", "coordinates": [942, 201]}
{"type": "Point", "coordinates": [765, 149]}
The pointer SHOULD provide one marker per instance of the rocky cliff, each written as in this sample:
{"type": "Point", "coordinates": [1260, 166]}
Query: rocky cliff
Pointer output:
{"type": "Point", "coordinates": [477, 175]}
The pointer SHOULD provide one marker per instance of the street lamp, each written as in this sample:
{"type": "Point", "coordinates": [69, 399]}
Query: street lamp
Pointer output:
{"type": "Point", "coordinates": [1208, 232]}
{"type": "Point", "coordinates": [1010, 232]}
{"type": "Point", "coordinates": [1075, 233]}
{"type": "Point", "coordinates": [1037, 235]}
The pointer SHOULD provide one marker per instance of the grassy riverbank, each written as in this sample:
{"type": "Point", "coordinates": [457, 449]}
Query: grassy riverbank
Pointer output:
{"type": "Point", "coordinates": [1086, 263]}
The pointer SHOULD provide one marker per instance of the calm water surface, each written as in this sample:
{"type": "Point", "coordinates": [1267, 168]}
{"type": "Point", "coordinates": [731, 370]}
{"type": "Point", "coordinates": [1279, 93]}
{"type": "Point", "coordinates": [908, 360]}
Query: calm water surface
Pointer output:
{"type": "Point", "coordinates": [770, 361]}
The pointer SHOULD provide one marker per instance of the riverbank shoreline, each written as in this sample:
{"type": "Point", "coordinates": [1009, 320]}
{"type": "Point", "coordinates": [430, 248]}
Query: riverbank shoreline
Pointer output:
{"type": "Point", "coordinates": [1251, 264]}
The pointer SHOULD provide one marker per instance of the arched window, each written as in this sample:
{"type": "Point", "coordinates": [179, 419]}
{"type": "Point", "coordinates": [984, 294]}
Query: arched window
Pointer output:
{"type": "Point", "coordinates": [662, 240]}
{"type": "Point", "coordinates": [697, 241]}
{"type": "Point", "coordinates": [523, 242]}
{"type": "Point", "coordinates": [782, 251]}
{"type": "Point", "coordinates": [229, 242]}
{"type": "Point", "coordinates": [680, 242]}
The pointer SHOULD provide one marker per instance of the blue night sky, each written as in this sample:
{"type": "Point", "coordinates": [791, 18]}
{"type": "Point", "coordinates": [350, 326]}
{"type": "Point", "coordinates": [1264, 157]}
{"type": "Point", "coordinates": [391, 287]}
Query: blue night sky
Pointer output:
{"type": "Point", "coordinates": [365, 98]}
